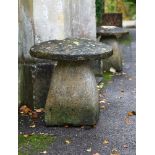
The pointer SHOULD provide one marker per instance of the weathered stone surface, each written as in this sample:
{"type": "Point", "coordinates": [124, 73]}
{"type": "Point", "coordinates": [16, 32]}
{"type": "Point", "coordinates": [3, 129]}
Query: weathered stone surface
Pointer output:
{"type": "Point", "coordinates": [34, 82]}
{"type": "Point", "coordinates": [73, 96]}
{"type": "Point", "coordinates": [26, 29]}
{"type": "Point", "coordinates": [71, 49]}
{"type": "Point", "coordinates": [83, 19]}
{"type": "Point", "coordinates": [114, 31]}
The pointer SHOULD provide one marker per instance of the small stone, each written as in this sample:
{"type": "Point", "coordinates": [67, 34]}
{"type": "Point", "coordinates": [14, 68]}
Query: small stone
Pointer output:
{"type": "Point", "coordinates": [76, 43]}
{"type": "Point", "coordinates": [112, 70]}
{"type": "Point", "coordinates": [103, 101]}
{"type": "Point", "coordinates": [26, 136]}
{"type": "Point", "coordinates": [44, 152]}
{"type": "Point", "coordinates": [32, 126]}
{"type": "Point", "coordinates": [125, 146]}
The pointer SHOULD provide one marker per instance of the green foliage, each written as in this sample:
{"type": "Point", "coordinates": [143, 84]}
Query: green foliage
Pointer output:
{"type": "Point", "coordinates": [110, 6]}
{"type": "Point", "coordinates": [99, 11]}
{"type": "Point", "coordinates": [131, 7]}
{"type": "Point", "coordinates": [126, 7]}
{"type": "Point", "coordinates": [107, 76]}
{"type": "Point", "coordinates": [34, 144]}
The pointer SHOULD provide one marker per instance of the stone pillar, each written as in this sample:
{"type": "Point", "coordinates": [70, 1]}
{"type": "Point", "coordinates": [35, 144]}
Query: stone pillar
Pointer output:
{"type": "Point", "coordinates": [83, 16]}
{"type": "Point", "coordinates": [40, 20]}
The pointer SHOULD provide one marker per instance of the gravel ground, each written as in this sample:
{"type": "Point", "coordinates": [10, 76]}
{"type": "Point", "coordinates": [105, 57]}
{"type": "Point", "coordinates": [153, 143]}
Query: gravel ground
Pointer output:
{"type": "Point", "coordinates": [113, 126]}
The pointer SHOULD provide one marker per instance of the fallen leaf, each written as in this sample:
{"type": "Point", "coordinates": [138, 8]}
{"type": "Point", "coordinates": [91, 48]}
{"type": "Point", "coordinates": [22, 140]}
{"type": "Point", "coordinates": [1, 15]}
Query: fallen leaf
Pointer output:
{"type": "Point", "coordinates": [66, 126]}
{"type": "Point", "coordinates": [82, 127]}
{"type": "Point", "coordinates": [32, 126]}
{"type": "Point", "coordinates": [115, 152]}
{"type": "Point", "coordinates": [25, 110]}
{"type": "Point", "coordinates": [131, 113]}
{"type": "Point", "coordinates": [89, 149]}
{"type": "Point", "coordinates": [106, 141]}
{"type": "Point", "coordinates": [130, 79]}
{"type": "Point", "coordinates": [67, 141]}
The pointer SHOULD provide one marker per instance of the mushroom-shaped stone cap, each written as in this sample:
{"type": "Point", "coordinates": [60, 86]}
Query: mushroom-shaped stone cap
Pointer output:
{"type": "Point", "coordinates": [71, 50]}
{"type": "Point", "coordinates": [111, 31]}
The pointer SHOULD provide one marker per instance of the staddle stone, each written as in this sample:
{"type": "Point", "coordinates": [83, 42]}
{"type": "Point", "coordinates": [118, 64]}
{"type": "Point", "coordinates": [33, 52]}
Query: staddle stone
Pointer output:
{"type": "Point", "coordinates": [112, 35]}
{"type": "Point", "coordinates": [73, 96]}
{"type": "Point", "coordinates": [113, 31]}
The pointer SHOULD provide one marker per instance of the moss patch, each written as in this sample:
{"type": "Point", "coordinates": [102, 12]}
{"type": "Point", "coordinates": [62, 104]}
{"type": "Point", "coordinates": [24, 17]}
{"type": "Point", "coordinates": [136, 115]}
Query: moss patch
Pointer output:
{"type": "Point", "coordinates": [34, 144]}
{"type": "Point", "coordinates": [107, 76]}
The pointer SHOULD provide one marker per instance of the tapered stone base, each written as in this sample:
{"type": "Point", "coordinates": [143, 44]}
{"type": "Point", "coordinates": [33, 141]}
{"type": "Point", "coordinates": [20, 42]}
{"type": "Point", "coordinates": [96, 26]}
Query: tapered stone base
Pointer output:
{"type": "Point", "coordinates": [115, 60]}
{"type": "Point", "coordinates": [73, 96]}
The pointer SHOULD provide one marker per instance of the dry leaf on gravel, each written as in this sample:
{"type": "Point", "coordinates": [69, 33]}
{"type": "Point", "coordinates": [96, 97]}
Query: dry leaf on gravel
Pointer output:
{"type": "Point", "coordinates": [105, 141]}
{"type": "Point", "coordinates": [131, 113]}
{"type": "Point", "coordinates": [96, 154]}
{"type": "Point", "coordinates": [25, 110]}
{"type": "Point", "coordinates": [67, 141]}
{"type": "Point", "coordinates": [115, 152]}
